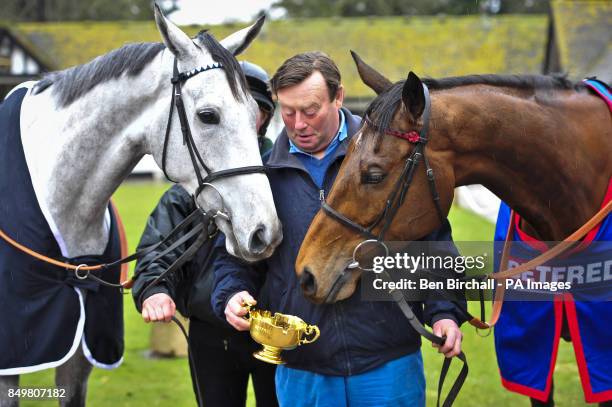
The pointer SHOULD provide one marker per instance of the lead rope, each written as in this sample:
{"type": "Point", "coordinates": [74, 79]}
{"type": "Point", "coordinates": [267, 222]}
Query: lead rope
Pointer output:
{"type": "Point", "coordinates": [190, 355]}
{"type": "Point", "coordinates": [191, 362]}
{"type": "Point", "coordinates": [548, 255]}
{"type": "Point", "coordinates": [397, 295]}
{"type": "Point", "coordinates": [400, 300]}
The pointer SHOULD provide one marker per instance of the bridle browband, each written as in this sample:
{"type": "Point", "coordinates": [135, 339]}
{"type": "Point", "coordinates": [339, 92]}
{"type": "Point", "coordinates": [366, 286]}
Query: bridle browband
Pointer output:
{"type": "Point", "coordinates": [178, 78]}
{"type": "Point", "coordinates": [398, 194]}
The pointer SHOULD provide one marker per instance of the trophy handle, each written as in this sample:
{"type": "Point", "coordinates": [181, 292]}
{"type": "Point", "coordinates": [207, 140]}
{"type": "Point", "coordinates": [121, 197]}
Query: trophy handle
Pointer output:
{"type": "Point", "coordinates": [308, 331]}
{"type": "Point", "coordinates": [248, 307]}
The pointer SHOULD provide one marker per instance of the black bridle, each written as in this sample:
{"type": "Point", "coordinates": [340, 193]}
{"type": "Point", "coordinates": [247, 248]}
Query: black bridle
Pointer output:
{"type": "Point", "coordinates": [199, 226]}
{"type": "Point", "coordinates": [177, 80]}
{"type": "Point", "coordinates": [398, 193]}
{"type": "Point", "coordinates": [396, 197]}
{"type": "Point", "coordinates": [385, 218]}
{"type": "Point", "coordinates": [205, 229]}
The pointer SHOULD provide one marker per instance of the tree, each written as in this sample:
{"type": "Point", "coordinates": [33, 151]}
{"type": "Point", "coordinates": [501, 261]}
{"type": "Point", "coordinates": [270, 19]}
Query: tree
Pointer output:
{"type": "Point", "coordinates": [75, 10]}
{"type": "Point", "coordinates": [353, 8]}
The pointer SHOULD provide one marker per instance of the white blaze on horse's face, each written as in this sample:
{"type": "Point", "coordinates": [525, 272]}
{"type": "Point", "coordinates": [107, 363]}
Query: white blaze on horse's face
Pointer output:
{"type": "Point", "coordinates": [223, 128]}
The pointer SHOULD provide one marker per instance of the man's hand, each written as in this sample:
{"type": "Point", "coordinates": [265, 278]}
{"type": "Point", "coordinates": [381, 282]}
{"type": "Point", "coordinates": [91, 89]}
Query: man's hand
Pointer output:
{"type": "Point", "coordinates": [234, 311]}
{"type": "Point", "coordinates": [158, 307]}
{"type": "Point", "coordinates": [448, 328]}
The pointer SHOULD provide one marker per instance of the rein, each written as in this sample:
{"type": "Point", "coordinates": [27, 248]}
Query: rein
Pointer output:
{"type": "Point", "coordinates": [83, 271]}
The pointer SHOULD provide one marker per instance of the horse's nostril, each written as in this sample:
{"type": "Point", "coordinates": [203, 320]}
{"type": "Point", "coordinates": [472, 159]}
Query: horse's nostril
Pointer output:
{"type": "Point", "coordinates": [258, 244]}
{"type": "Point", "coordinates": [308, 282]}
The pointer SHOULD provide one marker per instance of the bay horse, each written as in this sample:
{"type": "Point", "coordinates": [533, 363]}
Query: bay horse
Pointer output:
{"type": "Point", "coordinates": [525, 138]}
{"type": "Point", "coordinates": [82, 131]}
{"type": "Point", "coordinates": [541, 144]}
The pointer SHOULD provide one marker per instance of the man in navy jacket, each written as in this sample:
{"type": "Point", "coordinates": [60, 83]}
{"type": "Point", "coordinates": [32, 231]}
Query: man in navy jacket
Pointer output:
{"type": "Point", "coordinates": [367, 353]}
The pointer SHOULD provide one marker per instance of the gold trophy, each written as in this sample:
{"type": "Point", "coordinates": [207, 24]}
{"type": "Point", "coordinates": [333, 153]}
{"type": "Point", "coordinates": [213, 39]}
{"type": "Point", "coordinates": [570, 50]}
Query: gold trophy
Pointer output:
{"type": "Point", "coordinates": [278, 332]}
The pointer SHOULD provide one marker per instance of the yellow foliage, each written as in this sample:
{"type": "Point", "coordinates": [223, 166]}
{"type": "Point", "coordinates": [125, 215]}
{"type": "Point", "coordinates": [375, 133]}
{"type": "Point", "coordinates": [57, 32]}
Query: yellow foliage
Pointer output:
{"type": "Point", "coordinates": [430, 46]}
{"type": "Point", "coordinates": [580, 48]}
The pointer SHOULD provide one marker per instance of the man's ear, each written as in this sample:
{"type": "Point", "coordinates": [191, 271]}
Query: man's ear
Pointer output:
{"type": "Point", "coordinates": [339, 97]}
{"type": "Point", "coordinates": [176, 40]}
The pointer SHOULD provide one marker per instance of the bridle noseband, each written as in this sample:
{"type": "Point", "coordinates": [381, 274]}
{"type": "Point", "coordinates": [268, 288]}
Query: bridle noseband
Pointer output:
{"type": "Point", "coordinates": [177, 80]}
{"type": "Point", "coordinates": [398, 194]}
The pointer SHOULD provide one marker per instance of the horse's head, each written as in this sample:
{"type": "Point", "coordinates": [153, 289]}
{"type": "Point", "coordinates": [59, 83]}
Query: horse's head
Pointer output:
{"type": "Point", "coordinates": [368, 188]}
{"type": "Point", "coordinates": [215, 135]}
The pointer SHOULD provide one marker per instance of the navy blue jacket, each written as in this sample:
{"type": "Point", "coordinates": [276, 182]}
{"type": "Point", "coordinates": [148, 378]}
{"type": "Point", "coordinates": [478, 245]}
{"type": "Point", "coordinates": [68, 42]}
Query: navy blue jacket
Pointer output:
{"type": "Point", "coordinates": [356, 335]}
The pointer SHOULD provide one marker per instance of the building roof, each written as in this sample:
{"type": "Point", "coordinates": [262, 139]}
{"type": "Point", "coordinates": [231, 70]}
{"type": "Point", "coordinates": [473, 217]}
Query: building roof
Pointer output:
{"type": "Point", "coordinates": [30, 48]}
{"type": "Point", "coordinates": [584, 37]}
{"type": "Point", "coordinates": [430, 46]}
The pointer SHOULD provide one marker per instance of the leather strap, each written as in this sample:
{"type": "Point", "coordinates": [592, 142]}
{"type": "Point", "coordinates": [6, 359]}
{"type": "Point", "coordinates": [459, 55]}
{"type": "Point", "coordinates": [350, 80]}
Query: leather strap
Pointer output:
{"type": "Point", "coordinates": [548, 255]}
{"type": "Point", "coordinates": [346, 221]}
{"type": "Point", "coordinates": [567, 243]}
{"type": "Point", "coordinates": [203, 236]}
{"type": "Point", "coordinates": [123, 278]}
{"type": "Point", "coordinates": [167, 136]}
{"type": "Point", "coordinates": [195, 216]}
{"type": "Point", "coordinates": [400, 300]}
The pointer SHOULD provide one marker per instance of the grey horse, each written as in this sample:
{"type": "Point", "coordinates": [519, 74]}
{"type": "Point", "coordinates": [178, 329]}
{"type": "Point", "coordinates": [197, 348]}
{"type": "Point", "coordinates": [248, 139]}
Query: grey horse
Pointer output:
{"type": "Point", "coordinates": [84, 129]}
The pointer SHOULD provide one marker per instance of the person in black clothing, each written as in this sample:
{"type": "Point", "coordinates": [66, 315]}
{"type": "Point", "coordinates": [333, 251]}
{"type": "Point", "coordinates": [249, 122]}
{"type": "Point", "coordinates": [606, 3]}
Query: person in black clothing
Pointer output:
{"type": "Point", "coordinates": [222, 357]}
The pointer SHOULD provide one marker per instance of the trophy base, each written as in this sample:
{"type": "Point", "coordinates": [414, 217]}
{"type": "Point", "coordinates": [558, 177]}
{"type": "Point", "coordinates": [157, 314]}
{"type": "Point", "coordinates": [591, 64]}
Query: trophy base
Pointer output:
{"type": "Point", "coordinates": [269, 354]}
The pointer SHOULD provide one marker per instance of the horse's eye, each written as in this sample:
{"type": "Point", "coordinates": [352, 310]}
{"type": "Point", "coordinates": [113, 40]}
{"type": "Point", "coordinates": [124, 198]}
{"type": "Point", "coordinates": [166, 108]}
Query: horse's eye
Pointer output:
{"type": "Point", "coordinates": [373, 175]}
{"type": "Point", "coordinates": [209, 116]}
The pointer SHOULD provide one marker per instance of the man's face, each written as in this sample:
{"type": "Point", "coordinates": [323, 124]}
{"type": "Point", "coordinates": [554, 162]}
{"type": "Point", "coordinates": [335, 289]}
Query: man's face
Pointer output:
{"type": "Point", "coordinates": [310, 118]}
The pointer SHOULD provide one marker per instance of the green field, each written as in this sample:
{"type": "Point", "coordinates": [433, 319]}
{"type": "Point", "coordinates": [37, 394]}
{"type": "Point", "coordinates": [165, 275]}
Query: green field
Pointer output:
{"type": "Point", "coordinates": [145, 382]}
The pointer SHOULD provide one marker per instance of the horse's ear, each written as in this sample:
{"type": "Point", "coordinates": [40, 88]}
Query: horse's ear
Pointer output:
{"type": "Point", "coordinates": [370, 76]}
{"type": "Point", "coordinates": [240, 40]}
{"type": "Point", "coordinates": [176, 40]}
{"type": "Point", "coordinates": [413, 95]}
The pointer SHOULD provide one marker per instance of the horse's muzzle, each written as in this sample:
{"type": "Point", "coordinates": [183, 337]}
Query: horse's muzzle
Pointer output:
{"type": "Point", "coordinates": [308, 282]}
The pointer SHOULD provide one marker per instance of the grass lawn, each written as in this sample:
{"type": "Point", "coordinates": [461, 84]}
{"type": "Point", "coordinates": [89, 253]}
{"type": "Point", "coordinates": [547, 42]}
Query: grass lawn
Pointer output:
{"type": "Point", "coordinates": [144, 382]}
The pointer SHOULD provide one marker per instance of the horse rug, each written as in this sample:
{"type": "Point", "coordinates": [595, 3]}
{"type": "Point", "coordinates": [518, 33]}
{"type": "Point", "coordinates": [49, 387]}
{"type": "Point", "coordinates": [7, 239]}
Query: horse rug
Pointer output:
{"type": "Point", "coordinates": [46, 311]}
{"type": "Point", "coordinates": [528, 332]}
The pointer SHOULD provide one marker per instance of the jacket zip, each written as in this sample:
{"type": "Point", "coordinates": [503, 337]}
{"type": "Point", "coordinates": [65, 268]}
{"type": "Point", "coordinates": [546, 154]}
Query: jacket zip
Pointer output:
{"type": "Point", "coordinates": [303, 170]}
{"type": "Point", "coordinates": [339, 320]}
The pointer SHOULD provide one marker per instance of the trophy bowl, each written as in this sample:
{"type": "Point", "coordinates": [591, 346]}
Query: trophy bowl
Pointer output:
{"type": "Point", "coordinates": [278, 332]}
